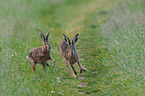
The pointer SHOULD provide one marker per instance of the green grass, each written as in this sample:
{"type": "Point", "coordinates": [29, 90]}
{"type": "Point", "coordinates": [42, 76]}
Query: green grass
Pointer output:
{"type": "Point", "coordinates": [111, 43]}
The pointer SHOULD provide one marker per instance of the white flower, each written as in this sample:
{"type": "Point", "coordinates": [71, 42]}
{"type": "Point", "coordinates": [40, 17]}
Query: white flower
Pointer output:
{"type": "Point", "coordinates": [52, 92]}
{"type": "Point", "coordinates": [61, 93]}
{"type": "Point", "coordinates": [57, 78]}
{"type": "Point", "coordinates": [59, 81]}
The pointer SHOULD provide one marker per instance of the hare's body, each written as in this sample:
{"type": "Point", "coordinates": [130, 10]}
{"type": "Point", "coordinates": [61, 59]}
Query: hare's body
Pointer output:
{"type": "Point", "coordinates": [41, 54]}
{"type": "Point", "coordinates": [70, 55]}
{"type": "Point", "coordinates": [38, 55]}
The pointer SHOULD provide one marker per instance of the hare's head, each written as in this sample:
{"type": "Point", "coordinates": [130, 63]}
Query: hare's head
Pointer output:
{"type": "Point", "coordinates": [45, 40]}
{"type": "Point", "coordinates": [71, 45]}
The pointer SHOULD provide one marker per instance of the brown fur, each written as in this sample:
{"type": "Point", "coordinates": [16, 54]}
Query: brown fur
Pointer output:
{"type": "Point", "coordinates": [69, 53]}
{"type": "Point", "coordinates": [41, 54]}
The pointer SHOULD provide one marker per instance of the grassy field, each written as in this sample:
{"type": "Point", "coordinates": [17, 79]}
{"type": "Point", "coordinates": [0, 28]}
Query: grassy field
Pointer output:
{"type": "Point", "coordinates": [111, 46]}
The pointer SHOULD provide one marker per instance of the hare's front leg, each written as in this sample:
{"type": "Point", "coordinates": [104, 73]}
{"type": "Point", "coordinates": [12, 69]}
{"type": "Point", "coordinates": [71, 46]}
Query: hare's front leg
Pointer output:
{"type": "Point", "coordinates": [81, 67]}
{"type": "Point", "coordinates": [44, 64]}
{"type": "Point", "coordinates": [72, 71]}
{"type": "Point", "coordinates": [53, 62]}
{"type": "Point", "coordinates": [33, 66]}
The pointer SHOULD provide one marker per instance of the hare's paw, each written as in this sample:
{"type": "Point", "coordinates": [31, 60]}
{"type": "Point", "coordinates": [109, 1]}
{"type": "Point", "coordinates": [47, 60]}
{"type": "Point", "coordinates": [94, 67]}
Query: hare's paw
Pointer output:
{"type": "Point", "coordinates": [47, 64]}
{"type": "Point", "coordinates": [74, 75]}
{"type": "Point", "coordinates": [75, 72]}
{"type": "Point", "coordinates": [82, 69]}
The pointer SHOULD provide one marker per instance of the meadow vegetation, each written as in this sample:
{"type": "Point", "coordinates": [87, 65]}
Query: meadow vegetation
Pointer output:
{"type": "Point", "coordinates": [111, 47]}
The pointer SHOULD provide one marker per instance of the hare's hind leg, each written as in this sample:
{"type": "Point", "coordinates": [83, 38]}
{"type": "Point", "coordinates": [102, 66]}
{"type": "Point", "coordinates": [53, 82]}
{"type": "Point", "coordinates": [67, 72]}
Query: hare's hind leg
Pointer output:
{"type": "Point", "coordinates": [72, 71]}
{"type": "Point", "coordinates": [81, 67]}
{"type": "Point", "coordinates": [32, 64]}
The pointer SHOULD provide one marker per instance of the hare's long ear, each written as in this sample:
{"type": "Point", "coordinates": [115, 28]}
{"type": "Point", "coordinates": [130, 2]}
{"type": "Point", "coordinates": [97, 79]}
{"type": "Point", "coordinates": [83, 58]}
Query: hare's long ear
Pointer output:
{"type": "Point", "coordinates": [75, 39]}
{"type": "Point", "coordinates": [42, 36]}
{"type": "Point", "coordinates": [66, 39]}
{"type": "Point", "coordinates": [47, 35]}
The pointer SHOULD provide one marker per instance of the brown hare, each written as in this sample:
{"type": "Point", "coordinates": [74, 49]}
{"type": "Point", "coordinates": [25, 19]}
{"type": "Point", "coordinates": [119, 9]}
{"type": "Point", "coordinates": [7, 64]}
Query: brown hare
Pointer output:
{"type": "Point", "coordinates": [69, 53]}
{"type": "Point", "coordinates": [41, 54]}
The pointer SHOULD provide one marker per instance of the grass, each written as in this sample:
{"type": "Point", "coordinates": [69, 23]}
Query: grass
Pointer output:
{"type": "Point", "coordinates": [111, 45]}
